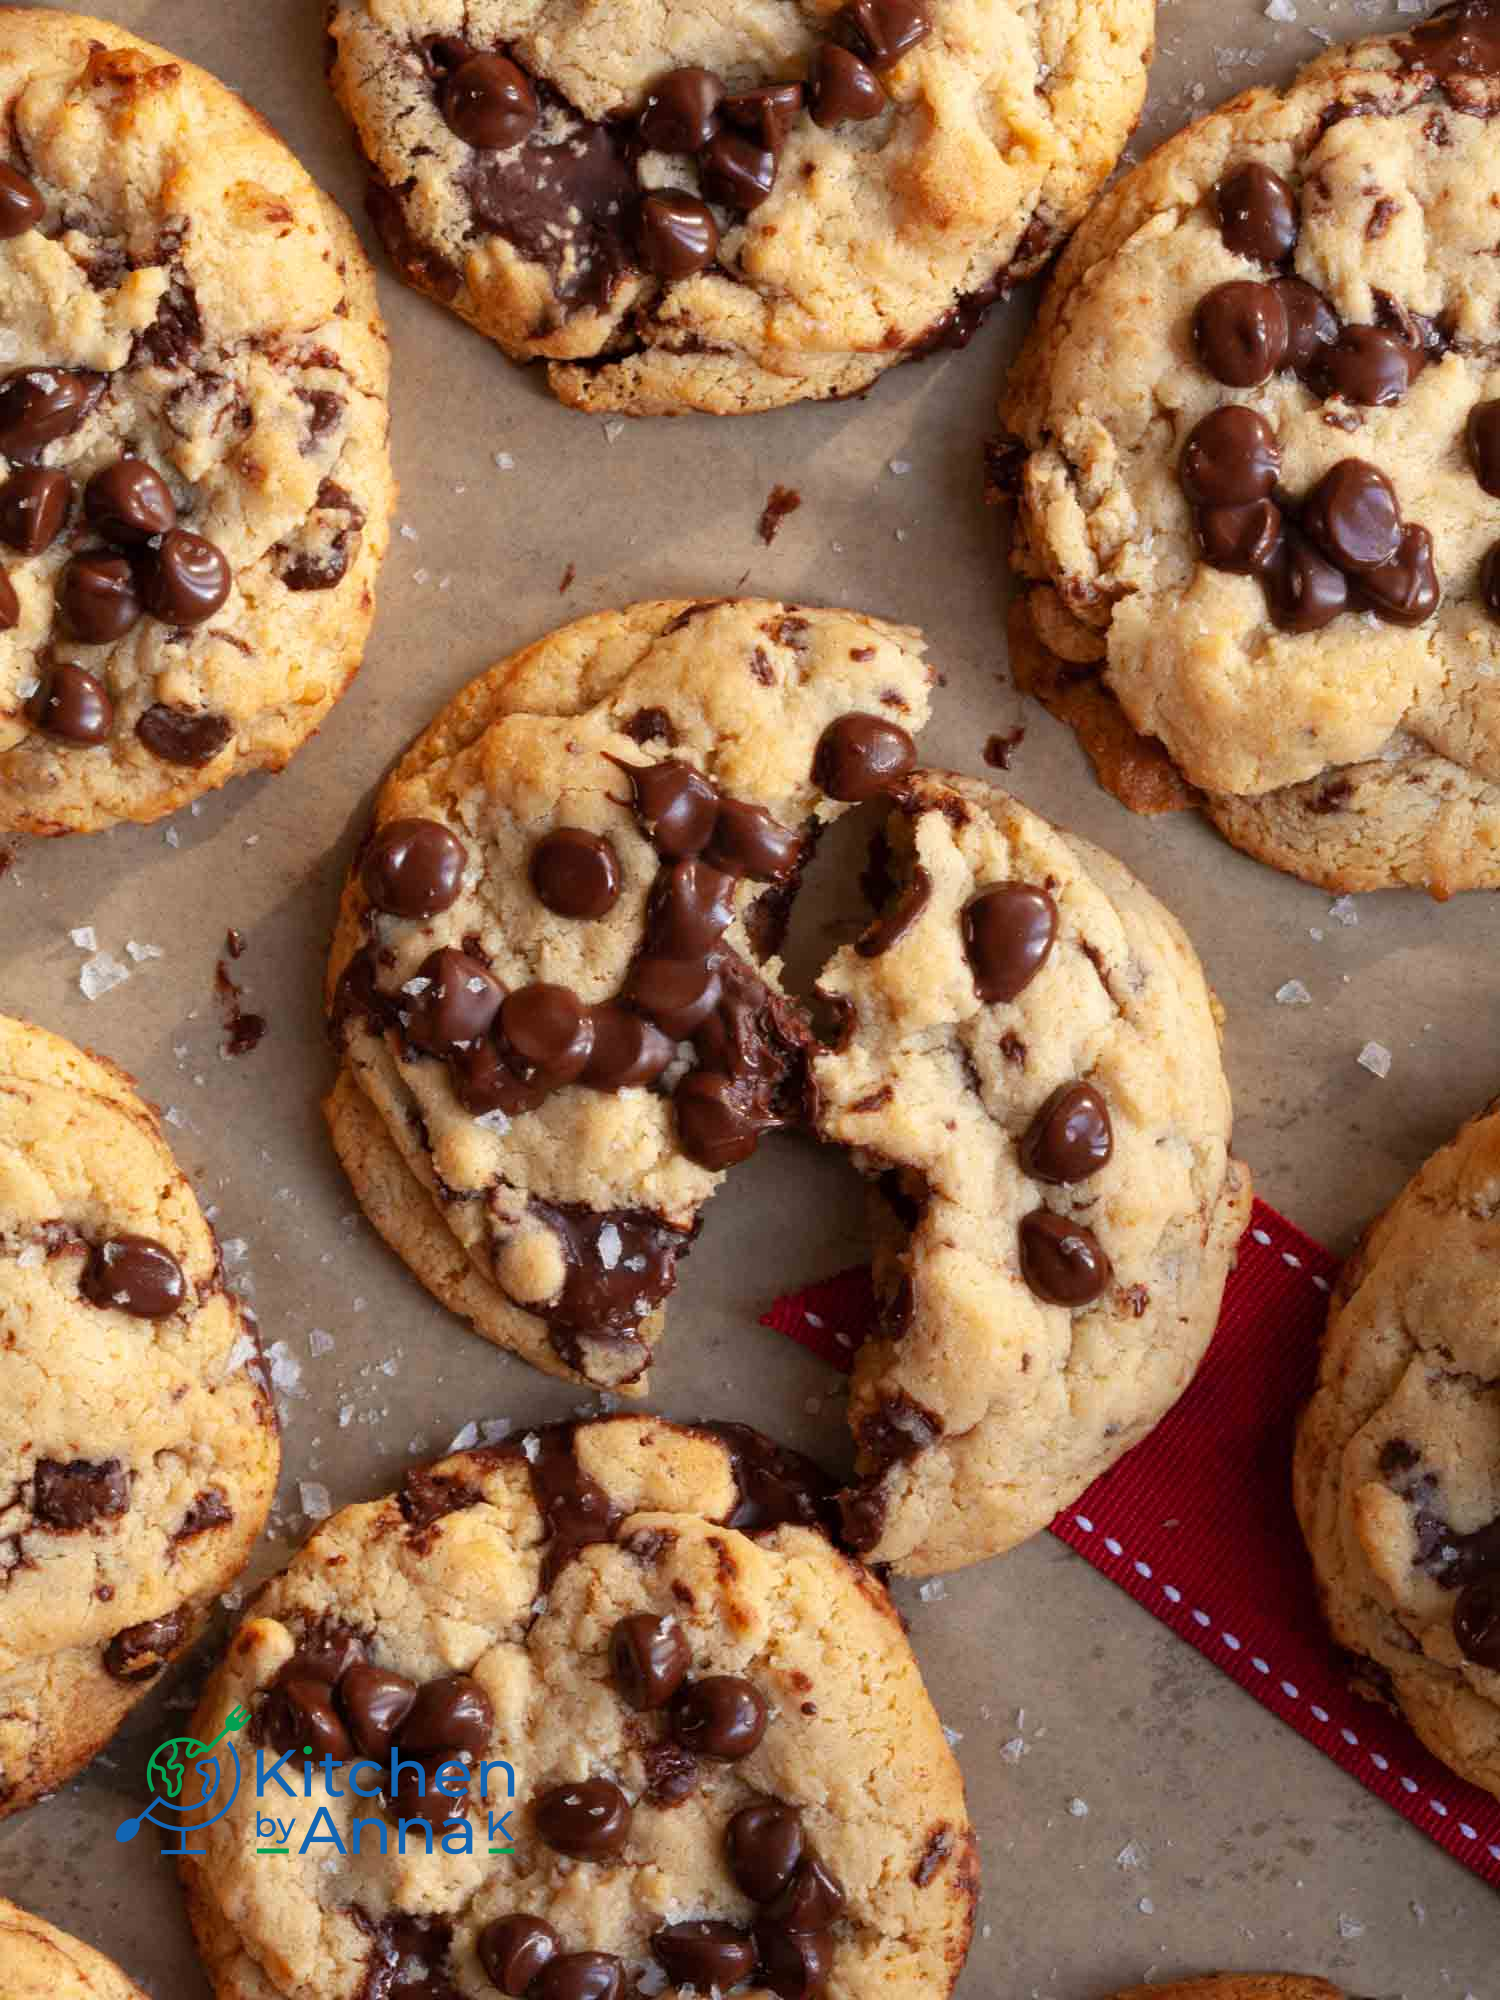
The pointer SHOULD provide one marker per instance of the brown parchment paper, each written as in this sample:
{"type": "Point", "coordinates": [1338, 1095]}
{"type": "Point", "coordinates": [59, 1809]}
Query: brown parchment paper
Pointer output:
{"type": "Point", "coordinates": [1248, 1849]}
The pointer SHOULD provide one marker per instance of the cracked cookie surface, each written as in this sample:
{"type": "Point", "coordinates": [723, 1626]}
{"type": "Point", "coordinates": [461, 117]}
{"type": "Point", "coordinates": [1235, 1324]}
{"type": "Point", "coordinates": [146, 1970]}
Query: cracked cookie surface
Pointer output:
{"type": "Point", "coordinates": [1396, 1481]}
{"type": "Point", "coordinates": [1319, 262]}
{"type": "Point", "coordinates": [40, 1962]}
{"type": "Point", "coordinates": [826, 193]}
{"type": "Point", "coordinates": [194, 481]}
{"type": "Point", "coordinates": [725, 1763]}
{"type": "Point", "coordinates": [138, 1443]}
{"type": "Point", "coordinates": [1029, 1072]}
{"type": "Point", "coordinates": [554, 982]}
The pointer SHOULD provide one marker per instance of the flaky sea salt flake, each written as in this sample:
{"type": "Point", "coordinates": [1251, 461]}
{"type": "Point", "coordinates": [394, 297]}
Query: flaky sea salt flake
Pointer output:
{"type": "Point", "coordinates": [1376, 1058]}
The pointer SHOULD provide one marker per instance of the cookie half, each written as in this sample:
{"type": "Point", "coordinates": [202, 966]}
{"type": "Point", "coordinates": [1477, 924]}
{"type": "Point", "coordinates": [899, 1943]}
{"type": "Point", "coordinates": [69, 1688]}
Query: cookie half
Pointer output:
{"type": "Point", "coordinates": [194, 482]}
{"type": "Point", "coordinates": [138, 1442]}
{"type": "Point", "coordinates": [40, 1962]}
{"type": "Point", "coordinates": [729, 210]}
{"type": "Point", "coordinates": [727, 1774]}
{"type": "Point", "coordinates": [554, 983]}
{"type": "Point", "coordinates": [1029, 1071]}
{"type": "Point", "coordinates": [1397, 1485]}
{"type": "Point", "coordinates": [1254, 454]}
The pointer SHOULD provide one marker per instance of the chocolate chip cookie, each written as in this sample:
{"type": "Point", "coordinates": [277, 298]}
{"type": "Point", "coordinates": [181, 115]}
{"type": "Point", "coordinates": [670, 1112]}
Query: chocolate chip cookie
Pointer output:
{"type": "Point", "coordinates": [1398, 1456]}
{"type": "Point", "coordinates": [695, 207]}
{"type": "Point", "coordinates": [1029, 1072]}
{"type": "Point", "coordinates": [637, 1723]}
{"type": "Point", "coordinates": [194, 481]}
{"type": "Point", "coordinates": [554, 984]}
{"type": "Point", "coordinates": [40, 1962]}
{"type": "Point", "coordinates": [1253, 446]}
{"type": "Point", "coordinates": [138, 1443]}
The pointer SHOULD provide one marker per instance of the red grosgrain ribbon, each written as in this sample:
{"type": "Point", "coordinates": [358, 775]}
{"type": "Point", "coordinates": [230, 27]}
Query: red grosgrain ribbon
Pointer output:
{"type": "Point", "coordinates": [1196, 1523]}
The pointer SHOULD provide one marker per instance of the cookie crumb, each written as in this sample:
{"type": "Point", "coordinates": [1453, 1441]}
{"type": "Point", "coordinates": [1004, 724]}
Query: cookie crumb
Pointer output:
{"type": "Point", "coordinates": [780, 501]}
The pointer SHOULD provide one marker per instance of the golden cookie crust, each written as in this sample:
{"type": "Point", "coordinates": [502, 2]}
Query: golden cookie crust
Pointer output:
{"type": "Point", "coordinates": [187, 260]}
{"type": "Point", "coordinates": [40, 1962]}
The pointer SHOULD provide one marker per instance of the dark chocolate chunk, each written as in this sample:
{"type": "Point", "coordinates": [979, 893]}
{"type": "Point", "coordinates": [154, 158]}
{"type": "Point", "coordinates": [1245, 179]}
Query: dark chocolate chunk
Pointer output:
{"type": "Point", "coordinates": [513, 1950]}
{"type": "Point", "coordinates": [40, 405]}
{"type": "Point", "coordinates": [1062, 1261]}
{"type": "Point", "coordinates": [1489, 581]}
{"type": "Point", "coordinates": [811, 1901]}
{"type": "Point", "coordinates": [888, 29]}
{"type": "Point", "coordinates": [452, 1714]}
{"type": "Point", "coordinates": [707, 1955]}
{"type": "Point", "coordinates": [1070, 1138]}
{"type": "Point", "coordinates": [692, 906]}
{"type": "Point", "coordinates": [73, 705]}
{"type": "Point", "coordinates": [1366, 365]}
{"type": "Point", "coordinates": [1404, 591]}
{"type": "Point", "coordinates": [765, 1843]}
{"type": "Point", "coordinates": [136, 1275]}
{"type": "Point", "coordinates": [1245, 541]}
{"type": "Point", "coordinates": [580, 1975]}
{"type": "Point", "coordinates": [676, 805]}
{"type": "Point", "coordinates": [1008, 934]}
{"type": "Point", "coordinates": [578, 1512]}
{"type": "Point", "coordinates": [1257, 214]}
{"type": "Point", "coordinates": [183, 735]}
{"type": "Point", "coordinates": [842, 88]}
{"type": "Point", "coordinates": [299, 1714]}
{"type": "Point", "coordinates": [648, 1659]}
{"type": "Point", "coordinates": [1312, 324]}
{"type": "Point", "coordinates": [860, 756]}
{"type": "Point", "coordinates": [717, 1123]}
{"type": "Point", "coordinates": [408, 1958]}
{"type": "Point", "coordinates": [1231, 458]}
{"type": "Point", "coordinates": [185, 579]}
{"type": "Point", "coordinates": [768, 112]}
{"type": "Point", "coordinates": [678, 234]}
{"type": "Point", "coordinates": [457, 1005]}
{"type": "Point", "coordinates": [588, 1820]}
{"type": "Point", "coordinates": [736, 172]}
{"type": "Point", "coordinates": [679, 994]}
{"type": "Point", "coordinates": [34, 507]}
{"type": "Point", "coordinates": [680, 112]}
{"type": "Point", "coordinates": [141, 1651]}
{"type": "Point", "coordinates": [129, 503]}
{"type": "Point", "coordinates": [424, 1790]}
{"type": "Point", "coordinates": [1241, 332]}
{"type": "Point", "coordinates": [548, 1034]}
{"type": "Point", "coordinates": [1482, 435]}
{"type": "Point", "coordinates": [746, 840]}
{"type": "Point", "coordinates": [1303, 591]}
{"type": "Point", "coordinates": [78, 1492]}
{"type": "Point", "coordinates": [794, 1965]}
{"type": "Point", "coordinates": [575, 873]}
{"type": "Point", "coordinates": [1476, 1622]}
{"type": "Point", "coordinates": [374, 1703]}
{"type": "Point", "coordinates": [897, 919]}
{"type": "Point", "coordinates": [722, 1717]}
{"type": "Point", "coordinates": [1353, 515]}
{"type": "Point", "coordinates": [489, 102]}
{"type": "Point", "coordinates": [414, 868]}
{"type": "Point", "coordinates": [98, 598]}
{"type": "Point", "coordinates": [21, 204]}
{"type": "Point", "coordinates": [627, 1050]}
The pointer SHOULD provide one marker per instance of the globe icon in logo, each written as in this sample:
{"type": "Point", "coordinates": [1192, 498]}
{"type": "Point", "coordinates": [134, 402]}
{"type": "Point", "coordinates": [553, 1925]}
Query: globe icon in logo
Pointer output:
{"type": "Point", "coordinates": [192, 1784]}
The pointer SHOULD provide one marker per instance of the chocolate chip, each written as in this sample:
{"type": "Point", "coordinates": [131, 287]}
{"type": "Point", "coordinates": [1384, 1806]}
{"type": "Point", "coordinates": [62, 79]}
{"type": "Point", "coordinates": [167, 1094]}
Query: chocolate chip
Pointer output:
{"type": "Point", "coordinates": [892, 924]}
{"type": "Point", "coordinates": [707, 1955]}
{"type": "Point", "coordinates": [513, 1950]}
{"type": "Point", "coordinates": [98, 599]}
{"type": "Point", "coordinates": [414, 868]}
{"type": "Point", "coordinates": [21, 204]}
{"type": "Point", "coordinates": [129, 503]}
{"type": "Point", "coordinates": [811, 1900]}
{"type": "Point", "coordinates": [794, 1965]}
{"type": "Point", "coordinates": [575, 873]}
{"type": "Point", "coordinates": [679, 994]}
{"type": "Point", "coordinates": [722, 1717]}
{"type": "Point", "coordinates": [1489, 581]}
{"type": "Point", "coordinates": [1353, 515]}
{"type": "Point", "coordinates": [765, 1844]}
{"type": "Point", "coordinates": [375, 1703]}
{"type": "Point", "coordinates": [842, 88]}
{"type": "Point", "coordinates": [1257, 214]}
{"type": "Point", "coordinates": [1062, 1261]}
{"type": "Point", "coordinates": [580, 1975]}
{"type": "Point", "coordinates": [1482, 435]}
{"type": "Point", "coordinates": [299, 1715]}
{"type": "Point", "coordinates": [1241, 332]}
{"type": "Point", "coordinates": [679, 115]}
{"type": "Point", "coordinates": [589, 1820]}
{"type": "Point", "coordinates": [717, 1126]}
{"type": "Point", "coordinates": [1312, 324]}
{"type": "Point", "coordinates": [1404, 591]}
{"type": "Point", "coordinates": [1070, 1138]}
{"type": "Point", "coordinates": [1231, 458]}
{"type": "Point", "coordinates": [692, 906]}
{"type": "Point", "coordinates": [736, 172]}
{"type": "Point", "coordinates": [141, 1651]}
{"type": "Point", "coordinates": [136, 1275]}
{"type": "Point", "coordinates": [768, 112]}
{"type": "Point", "coordinates": [79, 1492]}
{"type": "Point", "coordinates": [40, 405]}
{"type": "Point", "coordinates": [860, 756]}
{"type": "Point", "coordinates": [1366, 365]}
{"type": "Point", "coordinates": [627, 1050]}
{"type": "Point", "coordinates": [1303, 592]}
{"type": "Point", "coordinates": [458, 1005]}
{"type": "Point", "coordinates": [73, 705]}
{"type": "Point", "coordinates": [1476, 1622]}
{"type": "Point", "coordinates": [548, 1032]}
{"type": "Point", "coordinates": [185, 579]}
{"type": "Point", "coordinates": [746, 840]}
{"type": "Point", "coordinates": [489, 102]}
{"type": "Point", "coordinates": [677, 233]}
{"type": "Point", "coordinates": [328, 1651]}
{"type": "Point", "coordinates": [34, 507]}
{"type": "Point", "coordinates": [450, 1714]}
{"type": "Point", "coordinates": [1008, 933]}
{"type": "Point", "coordinates": [1242, 540]}
{"type": "Point", "coordinates": [888, 29]}
{"type": "Point", "coordinates": [10, 604]}
{"type": "Point", "coordinates": [676, 805]}
{"type": "Point", "coordinates": [419, 1795]}
{"type": "Point", "coordinates": [182, 735]}
{"type": "Point", "coordinates": [648, 1659]}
